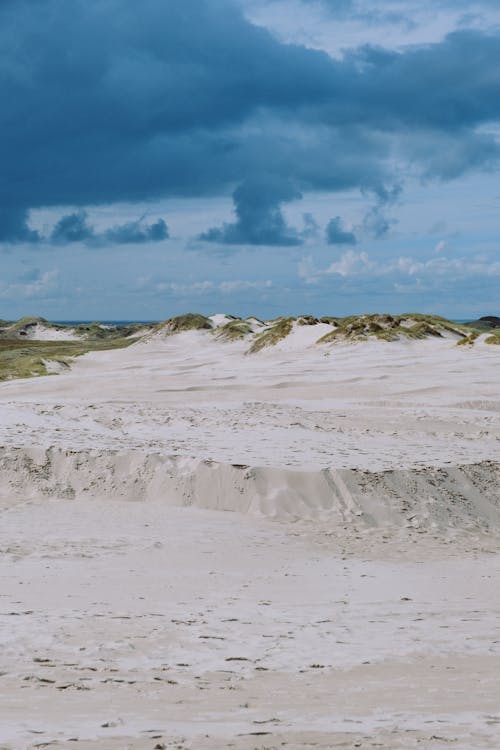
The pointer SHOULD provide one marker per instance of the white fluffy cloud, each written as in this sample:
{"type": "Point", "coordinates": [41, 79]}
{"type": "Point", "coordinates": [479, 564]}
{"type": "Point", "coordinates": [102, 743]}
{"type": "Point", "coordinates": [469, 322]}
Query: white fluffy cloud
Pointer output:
{"type": "Point", "coordinates": [352, 264]}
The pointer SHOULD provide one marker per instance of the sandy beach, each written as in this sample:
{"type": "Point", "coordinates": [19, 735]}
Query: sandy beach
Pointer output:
{"type": "Point", "coordinates": [207, 549]}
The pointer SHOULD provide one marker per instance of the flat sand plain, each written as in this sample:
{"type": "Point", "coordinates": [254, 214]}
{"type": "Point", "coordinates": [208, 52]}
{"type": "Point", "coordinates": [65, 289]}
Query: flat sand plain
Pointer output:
{"type": "Point", "coordinates": [131, 617]}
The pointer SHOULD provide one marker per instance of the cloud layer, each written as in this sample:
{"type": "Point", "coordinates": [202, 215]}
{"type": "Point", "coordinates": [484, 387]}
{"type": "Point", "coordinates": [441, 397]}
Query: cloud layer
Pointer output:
{"type": "Point", "coordinates": [75, 227]}
{"type": "Point", "coordinates": [188, 98]}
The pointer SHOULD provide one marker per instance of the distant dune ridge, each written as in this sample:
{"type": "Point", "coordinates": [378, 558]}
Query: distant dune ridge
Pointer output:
{"type": "Point", "coordinates": [34, 346]}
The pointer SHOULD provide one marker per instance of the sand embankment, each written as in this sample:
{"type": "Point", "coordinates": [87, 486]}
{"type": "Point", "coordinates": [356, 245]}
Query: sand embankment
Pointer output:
{"type": "Point", "coordinates": [464, 496]}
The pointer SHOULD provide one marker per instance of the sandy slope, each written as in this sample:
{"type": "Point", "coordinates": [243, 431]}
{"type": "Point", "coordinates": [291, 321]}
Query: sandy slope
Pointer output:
{"type": "Point", "coordinates": [124, 622]}
{"type": "Point", "coordinates": [132, 615]}
{"type": "Point", "coordinates": [373, 405]}
{"type": "Point", "coordinates": [40, 332]}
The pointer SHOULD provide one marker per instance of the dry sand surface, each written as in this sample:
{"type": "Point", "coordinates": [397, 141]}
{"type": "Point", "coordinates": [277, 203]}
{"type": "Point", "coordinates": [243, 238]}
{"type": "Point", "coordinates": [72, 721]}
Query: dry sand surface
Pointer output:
{"type": "Point", "coordinates": [371, 405]}
{"type": "Point", "coordinates": [351, 597]}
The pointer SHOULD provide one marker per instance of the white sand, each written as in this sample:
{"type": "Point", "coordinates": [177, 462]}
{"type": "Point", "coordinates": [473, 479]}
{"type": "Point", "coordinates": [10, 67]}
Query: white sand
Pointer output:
{"type": "Point", "coordinates": [40, 332]}
{"type": "Point", "coordinates": [220, 319]}
{"type": "Point", "coordinates": [133, 615]}
{"type": "Point", "coordinates": [129, 621]}
{"type": "Point", "coordinates": [372, 405]}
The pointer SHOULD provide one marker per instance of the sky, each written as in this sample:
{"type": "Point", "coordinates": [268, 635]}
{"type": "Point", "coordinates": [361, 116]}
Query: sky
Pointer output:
{"type": "Point", "coordinates": [254, 157]}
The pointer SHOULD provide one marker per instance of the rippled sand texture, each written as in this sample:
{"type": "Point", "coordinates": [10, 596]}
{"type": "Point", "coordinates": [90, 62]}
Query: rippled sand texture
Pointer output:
{"type": "Point", "coordinates": [348, 599]}
{"type": "Point", "coordinates": [371, 405]}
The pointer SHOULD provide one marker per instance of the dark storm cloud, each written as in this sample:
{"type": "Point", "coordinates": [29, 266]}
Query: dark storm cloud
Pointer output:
{"type": "Point", "coordinates": [72, 228]}
{"type": "Point", "coordinates": [376, 223]}
{"type": "Point", "coordinates": [137, 232]}
{"type": "Point", "coordinates": [337, 235]}
{"type": "Point", "coordinates": [260, 221]}
{"type": "Point", "coordinates": [14, 226]}
{"type": "Point", "coordinates": [106, 101]}
{"type": "Point", "coordinates": [75, 227]}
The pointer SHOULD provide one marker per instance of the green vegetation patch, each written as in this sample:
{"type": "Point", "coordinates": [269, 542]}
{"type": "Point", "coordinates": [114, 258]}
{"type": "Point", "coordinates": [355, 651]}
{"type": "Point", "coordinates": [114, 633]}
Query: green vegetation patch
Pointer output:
{"type": "Point", "coordinates": [95, 331]}
{"type": "Point", "coordinates": [29, 359]}
{"type": "Point", "coordinates": [235, 330]}
{"type": "Point", "coordinates": [439, 322]}
{"type": "Point", "coordinates": [188, 322]}
{"type": "Point", "coordinates": [494, 338]}
{"type": "Point", "coordinates": [468, 340]}
{"type": "Point", "coordinates": [307, 320]}
{"type": "Point", "coordinates": [19, 328]}
{"type": "Point", "coordinates": [329, 320]}
{"type": "Point", "coordinates": [280, 329]}
{"type": "Point", "coordinates": [98, 332]}
{"type": "Point", "coordinates": [390, 327]}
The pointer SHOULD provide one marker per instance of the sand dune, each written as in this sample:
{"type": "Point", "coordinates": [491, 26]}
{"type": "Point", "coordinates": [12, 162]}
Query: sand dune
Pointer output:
{"type": "Point", "coordinates": [348, 597]}
{"type": "Point", "coordinates": [373, 405]}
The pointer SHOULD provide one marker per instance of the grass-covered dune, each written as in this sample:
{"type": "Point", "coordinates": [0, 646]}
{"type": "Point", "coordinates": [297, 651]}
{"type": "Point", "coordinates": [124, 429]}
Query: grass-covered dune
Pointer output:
{"type": "Point", "coordinates": [28, 359]}
{"type": "Point", "coordinates": [33, 346]}
{"type": "Point", "coordinates": [234, 330]}
{"type": "Point", "coordinates": [353, 328]}
{"type": "Point", "coordinates": [187, 322]}
{"type": "Point", "coordinates": [275, 333]}
{"type": "Point", "coordinates": [31, 327]}
{"type": "Point", "coordinates": [357, 328]}
{"type": "Point", "coordinates": [23, 354]}
{"type": "Point", "coordinates": [385, 327]}
{"type": "Point", "coordinates": [23, 327]}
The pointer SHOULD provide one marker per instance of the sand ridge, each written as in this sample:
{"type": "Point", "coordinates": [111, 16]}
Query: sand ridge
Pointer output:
{"type": "Point", "coordinates": [463, 497]}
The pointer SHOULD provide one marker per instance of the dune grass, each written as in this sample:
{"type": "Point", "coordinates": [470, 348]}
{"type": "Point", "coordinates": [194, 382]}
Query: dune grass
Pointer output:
{"type": "Point", "coordinates": [386, 327]}
{"type": "Point", "coordinates": [21, 357]}
{"type": "Point", "coordinates": [14, 329]}
{"type": "Point", "coordinates": [494, 338]}
{"type": "Point", "coordinates": [468, 340]}
{"type": "Point", "coordinates": [28, 359]}
{"type": "Point", "coordinates": [307, 320]}
{"type": "Point", "coordinates": [19, 329]}
{"type": "Point", "coordinates": [96, 331]}
{"type": "Point", "coordinates": [187, 322]}
{"type": "Point", "coordinates": [278, 331]}
{"type": "Point", "coordinates": [234, 330]}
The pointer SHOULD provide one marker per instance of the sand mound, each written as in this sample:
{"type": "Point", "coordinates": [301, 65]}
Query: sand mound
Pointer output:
{"type": "Point", "coordinates": [37, 329]}
{"type": "Point", "coordinates": [294, 334]}
{"type": "Point", "coordinates": [393, 328]}
{"type": "Point", "coordinates": [41, 332]}
{"type": "Point", "coordinates": [466, 496]}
